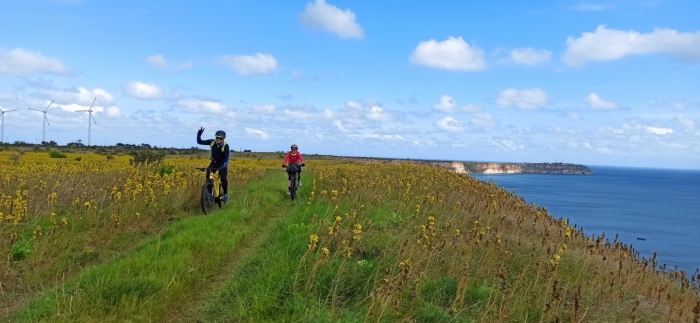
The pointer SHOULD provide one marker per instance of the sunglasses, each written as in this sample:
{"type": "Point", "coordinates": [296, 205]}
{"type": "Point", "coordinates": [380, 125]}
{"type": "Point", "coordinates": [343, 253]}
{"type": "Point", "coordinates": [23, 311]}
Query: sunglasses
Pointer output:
{"type": "Point", "coordinates": [222, 138]}
{"type": "Point", "coordinates": [294, 149]}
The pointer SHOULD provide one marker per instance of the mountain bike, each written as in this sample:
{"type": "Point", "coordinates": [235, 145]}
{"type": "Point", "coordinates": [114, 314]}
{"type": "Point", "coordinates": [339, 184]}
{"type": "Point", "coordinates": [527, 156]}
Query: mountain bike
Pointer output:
{"type": "Point", "coordinates": [294, 169]}
{"type": "Point", "coordinates": [212, 191]}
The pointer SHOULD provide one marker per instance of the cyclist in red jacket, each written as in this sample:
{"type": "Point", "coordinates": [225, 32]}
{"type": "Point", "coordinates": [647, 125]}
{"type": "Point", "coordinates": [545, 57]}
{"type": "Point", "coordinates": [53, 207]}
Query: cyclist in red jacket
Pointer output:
{"type": "Point", "coordinates": [293, 157]}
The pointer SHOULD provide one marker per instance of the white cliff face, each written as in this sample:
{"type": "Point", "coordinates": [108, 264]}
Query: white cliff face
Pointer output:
{"type": "Point", "coordinates": [485, 167]}
{"type": "Point", "coordinates": [492, 168]}
{"type": "Point", "coordinates": [459, 168]}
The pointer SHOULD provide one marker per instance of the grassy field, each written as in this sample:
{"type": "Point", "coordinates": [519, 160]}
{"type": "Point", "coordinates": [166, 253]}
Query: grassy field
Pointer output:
{"type": "Point", "coordinates": [91, 238]}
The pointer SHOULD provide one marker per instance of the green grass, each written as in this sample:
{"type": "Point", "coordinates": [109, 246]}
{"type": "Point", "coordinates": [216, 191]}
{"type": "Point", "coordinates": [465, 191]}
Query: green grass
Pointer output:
{"type": "Point", "coordinates": [164, 270]}
{"type": "Point", "coordinates": [433, 247]}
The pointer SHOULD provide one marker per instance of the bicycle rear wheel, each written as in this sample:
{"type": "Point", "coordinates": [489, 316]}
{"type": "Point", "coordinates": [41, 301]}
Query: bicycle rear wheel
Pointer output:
{"type": "Point", "coordinates": [207, 199]}
{"type": "Point", "coordinates": [293, 188]}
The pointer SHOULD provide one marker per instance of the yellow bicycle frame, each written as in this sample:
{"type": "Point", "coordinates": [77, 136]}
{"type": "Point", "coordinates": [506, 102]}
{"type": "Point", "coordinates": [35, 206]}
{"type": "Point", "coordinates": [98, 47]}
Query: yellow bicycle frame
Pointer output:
{"type": "Point", "coordinates": [214, 177]}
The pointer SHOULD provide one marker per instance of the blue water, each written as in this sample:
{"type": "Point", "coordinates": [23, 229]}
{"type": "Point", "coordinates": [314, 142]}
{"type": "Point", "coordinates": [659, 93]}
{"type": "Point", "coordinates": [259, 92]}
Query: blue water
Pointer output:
{"type": "Point", "coordinates": [659, 205]}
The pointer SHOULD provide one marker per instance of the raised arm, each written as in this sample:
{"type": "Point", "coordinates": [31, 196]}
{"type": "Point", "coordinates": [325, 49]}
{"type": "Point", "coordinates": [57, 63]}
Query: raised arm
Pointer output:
{"type": "Point", "coordinates": [199, 137]}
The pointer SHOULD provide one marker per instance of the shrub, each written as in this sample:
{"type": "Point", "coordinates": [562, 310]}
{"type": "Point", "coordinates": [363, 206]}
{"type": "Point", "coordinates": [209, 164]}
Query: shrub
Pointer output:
{"type": "Point", "coordinates": [15, 157]}
{"type": "Point", "coordinates": [56, 154]}
{"type": "Point", "coordinates": [145, 157]}
{"type": "Point", "coordinates": [165, 169]}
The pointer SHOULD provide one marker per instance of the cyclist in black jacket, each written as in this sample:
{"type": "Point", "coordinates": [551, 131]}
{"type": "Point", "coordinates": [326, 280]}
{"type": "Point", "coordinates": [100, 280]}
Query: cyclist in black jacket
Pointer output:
{"type": "Point", "coordinates": [219, 156]}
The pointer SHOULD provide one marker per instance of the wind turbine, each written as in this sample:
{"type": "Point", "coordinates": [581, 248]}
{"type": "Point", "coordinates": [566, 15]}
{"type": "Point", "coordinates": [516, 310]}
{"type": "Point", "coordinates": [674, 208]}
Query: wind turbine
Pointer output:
{"type": "Point", "coordinates": [46, 121]}
{"type": "Point", "coordinates": [89, 111]}
{"type": "Point", "coordinates": [2, 130]}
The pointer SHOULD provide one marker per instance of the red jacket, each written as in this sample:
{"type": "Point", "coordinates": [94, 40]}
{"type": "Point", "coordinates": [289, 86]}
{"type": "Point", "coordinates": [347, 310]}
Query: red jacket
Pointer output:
{"type": "Point", "coordinates": [293, 158]}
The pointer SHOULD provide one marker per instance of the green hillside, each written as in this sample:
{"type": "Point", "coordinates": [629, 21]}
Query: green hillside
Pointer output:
{"type": "Point", "coordinates": [362, 243]}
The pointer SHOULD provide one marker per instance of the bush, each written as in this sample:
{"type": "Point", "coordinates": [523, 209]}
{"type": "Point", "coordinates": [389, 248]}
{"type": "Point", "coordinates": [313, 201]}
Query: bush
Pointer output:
{"type": "Point", "coordinates": [16, 157]}
{"type": "Point", "coordinates": [146, 157]}
{"type": "Point", "coordinates": [165, 169]}
{"type": "Point", "coordinates": [56, 154]}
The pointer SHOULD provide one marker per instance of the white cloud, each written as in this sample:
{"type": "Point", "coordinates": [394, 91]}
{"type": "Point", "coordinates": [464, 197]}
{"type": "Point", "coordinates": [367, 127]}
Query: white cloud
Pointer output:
{"type": "Point", "coordinates": [160, 62]}
{"type": "Point", "coordinates": [354, 113]}
{"type": "Point", "coordinates": [596, 102]}
{"type": "Point", "coordinates": [306, 113]}
{"type": "Point", "coordinates": [531, 99]}
{"type": "Point", "coordinates": [573, 115]}
{"type": "Point", "coordinates": [201, 106]}
{"type": "Point", "coordinates": [114, 112]}
{"type": "Point", "coordinates": [143, 91]}
{"type": "Point", "coordinates": [483, 120]}
{"type": "Point", "coordinates": [320, 15]}
{"type": "Point", "coordinates": [20, 62]}
{"type": "Point", "coordinates": [658, 131]}
{"type": "Point", "coordinates": [530, 56]}
{"type": "Point", "coordinates": [391, 138]}
{"type": "Point", "coordinates": [452, 54]}
{"type": "Point", "coordinates": [259, 64]}
{"type": "Point", "coordinates": [339, 125]}
{"type": "Point", "coordinates": [378, 114]}
{"type": "Point", "coordinates": [685, 122]}
{"type": "Point", "coordinates": [268, 109]}
{"type": "Point", "coordinates": [446, 105]}
{"type": "Point", "coordinates": [450, 125]}
{"type": "Point", "coordinates": [507, 145]}
{"type": "Point", "coordinates": [81, 99]}
{"type": "Point", "coordinates": [610, 44]}
{"type": "Point", "coordinates": [257, 133]}
{"type": "Point", "coordinates": [472, 108]}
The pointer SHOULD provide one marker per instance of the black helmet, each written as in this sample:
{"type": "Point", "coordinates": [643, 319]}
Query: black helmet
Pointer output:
{"type": "Point", "coordinates": [220, 134]}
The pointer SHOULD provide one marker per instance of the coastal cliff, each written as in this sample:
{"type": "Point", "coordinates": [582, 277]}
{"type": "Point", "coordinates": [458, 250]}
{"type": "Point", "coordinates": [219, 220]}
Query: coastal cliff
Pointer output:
{"type": "Point", "coordinates": [526, 168]}
{"type": "Point", "coordinates": [486, 167]}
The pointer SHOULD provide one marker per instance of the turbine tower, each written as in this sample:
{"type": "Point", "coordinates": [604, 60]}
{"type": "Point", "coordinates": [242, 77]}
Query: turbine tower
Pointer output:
{"type": "Point", "coordinates": [46, 121]}
{"type": "Point", "coordinates": [89, 111]}
{"type": "Point", "coordinates": [2, 130]}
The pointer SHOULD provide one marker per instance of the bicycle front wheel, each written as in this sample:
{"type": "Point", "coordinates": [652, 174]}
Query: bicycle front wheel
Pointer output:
{"type": "Point", "coordinates": [207, 199]}
{"type": "Point", "coordinates": [293, 188]}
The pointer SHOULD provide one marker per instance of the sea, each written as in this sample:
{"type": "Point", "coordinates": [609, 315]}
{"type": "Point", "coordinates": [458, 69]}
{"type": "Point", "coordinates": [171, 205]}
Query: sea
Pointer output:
{"type": "Point", "coordinates": [652, 210]}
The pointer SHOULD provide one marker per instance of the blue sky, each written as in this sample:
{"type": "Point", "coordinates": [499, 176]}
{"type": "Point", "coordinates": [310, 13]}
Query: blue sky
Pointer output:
{"type": "Point", "coordinates": [599, 82]}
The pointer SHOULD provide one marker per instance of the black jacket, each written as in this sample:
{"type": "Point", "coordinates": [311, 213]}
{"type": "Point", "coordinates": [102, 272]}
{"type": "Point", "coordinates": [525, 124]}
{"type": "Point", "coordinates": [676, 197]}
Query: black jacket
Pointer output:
{"type": "Point", "coordinates": [219, 153]}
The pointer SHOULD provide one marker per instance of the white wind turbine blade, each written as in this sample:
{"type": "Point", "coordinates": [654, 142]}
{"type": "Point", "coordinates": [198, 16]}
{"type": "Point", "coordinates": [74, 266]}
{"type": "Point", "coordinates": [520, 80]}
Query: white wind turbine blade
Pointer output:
{"type": "Point", "coordinates": [47, 107]}
{"type": "Point", "coordinates": [47, 119]}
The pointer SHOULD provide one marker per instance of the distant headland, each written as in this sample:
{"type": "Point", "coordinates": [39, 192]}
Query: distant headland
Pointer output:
{"type": "Point", "coordinates": [486, 167]}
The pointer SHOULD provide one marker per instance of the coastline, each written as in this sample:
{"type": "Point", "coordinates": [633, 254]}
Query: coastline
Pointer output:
{"type": "Point", "coordinates": [485, 167]}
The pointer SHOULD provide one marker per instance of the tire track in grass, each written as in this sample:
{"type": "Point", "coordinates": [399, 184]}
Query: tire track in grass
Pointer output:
{"type": "Point", "coordinates": [173, 272]}
{"type": "Point", "coordinates": [264, 203]}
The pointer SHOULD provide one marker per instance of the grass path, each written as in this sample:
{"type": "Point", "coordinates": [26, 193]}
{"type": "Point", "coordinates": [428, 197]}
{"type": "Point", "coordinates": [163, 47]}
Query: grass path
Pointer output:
{"type": "Point", "coordinates": [172, 275]}
{"type": "Point", "coordinates": [266, 203]}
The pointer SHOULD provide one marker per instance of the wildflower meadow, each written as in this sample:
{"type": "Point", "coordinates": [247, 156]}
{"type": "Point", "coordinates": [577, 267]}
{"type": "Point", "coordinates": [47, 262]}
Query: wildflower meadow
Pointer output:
{"type": "Point", "coordinates": [91, 238]}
